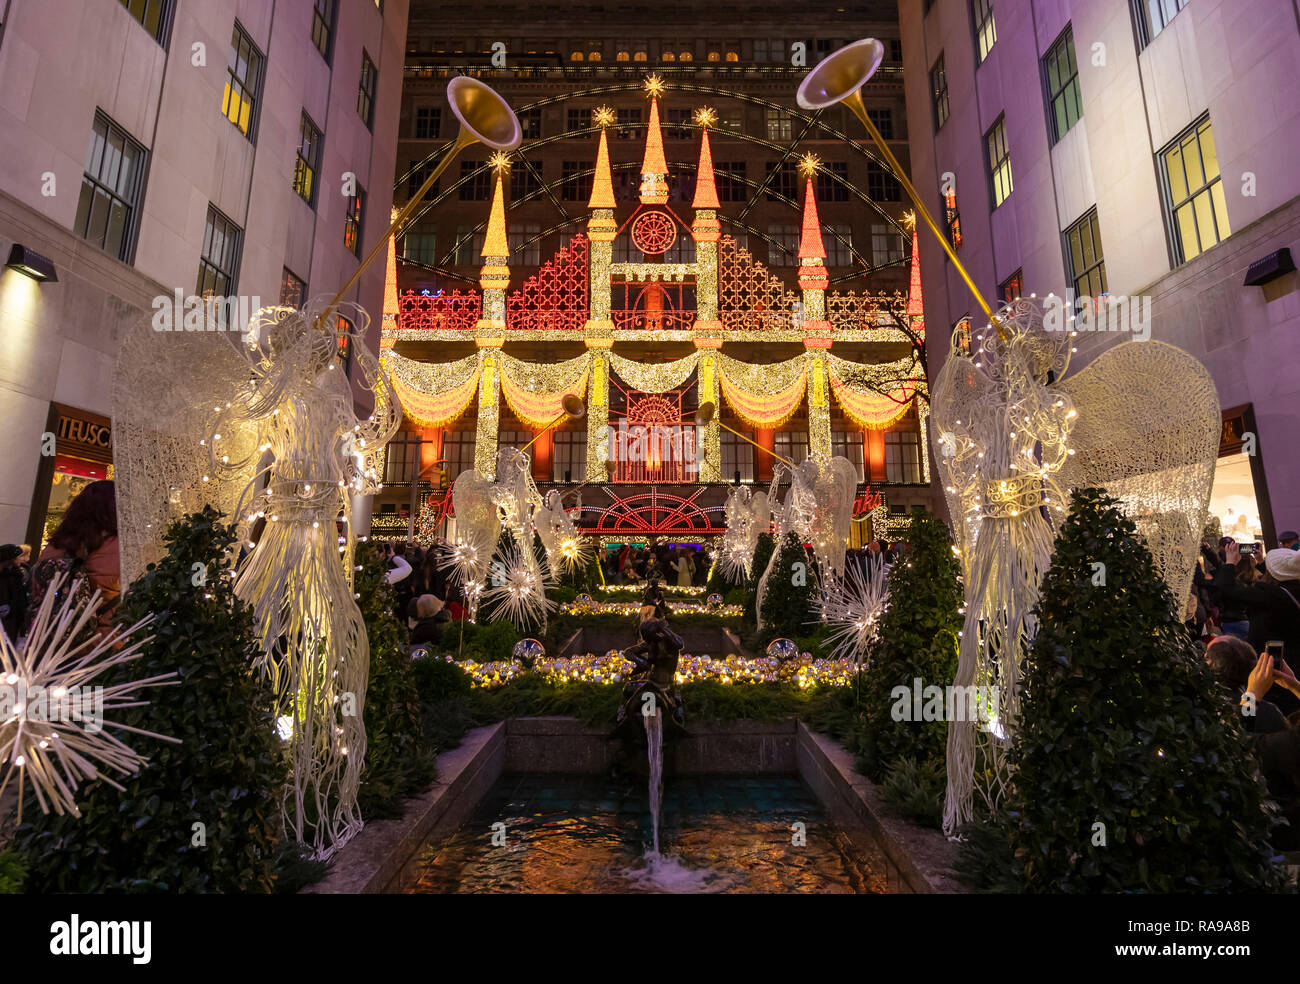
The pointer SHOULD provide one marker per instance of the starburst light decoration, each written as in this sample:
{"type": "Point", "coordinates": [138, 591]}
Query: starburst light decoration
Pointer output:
{"type": "Point", "coordinates": [705, 117]}
{"type": "Point", "coordinates": [809, 164]}
{"type": "Point", "coordinates": [54, 732]}
{"type": "Point", "coordinates": [654, 86]}
{"type": "Point", "coordinates": [852, 605]}
{"type": "Point", "coordinates": [603, 116]}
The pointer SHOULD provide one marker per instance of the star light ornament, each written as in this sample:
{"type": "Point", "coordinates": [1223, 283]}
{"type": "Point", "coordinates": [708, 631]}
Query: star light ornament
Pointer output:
{"type": "Point", "coordinates": [809, 164]}
{"type": "Point", "coordinates": [852, 606]}
{"type": "Point", "coordinates": [603, 116]}
{"type": "Point", "coordinates": [53, 704]}
{"type": "Point", "coordinates": [705, 117]}
{"type": "Point", "coordinates": [654, 86]}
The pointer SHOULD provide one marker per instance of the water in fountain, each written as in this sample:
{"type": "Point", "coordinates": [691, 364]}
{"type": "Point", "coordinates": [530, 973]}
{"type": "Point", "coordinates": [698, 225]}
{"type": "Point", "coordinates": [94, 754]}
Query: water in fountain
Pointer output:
{"type": "Point", "coordinates": [654, 739]}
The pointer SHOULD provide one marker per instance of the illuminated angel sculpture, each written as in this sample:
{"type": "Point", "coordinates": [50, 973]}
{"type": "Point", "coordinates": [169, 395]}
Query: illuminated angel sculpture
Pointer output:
{"type": "Point", "coordinates": [316, 455]}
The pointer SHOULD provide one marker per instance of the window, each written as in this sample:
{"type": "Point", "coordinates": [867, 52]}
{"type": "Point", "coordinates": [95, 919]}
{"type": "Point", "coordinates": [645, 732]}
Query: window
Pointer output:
{"type": "Point", "coordinates": [627, 120]}
{"type": "Point", "coordinates": [681, 183]}
{"type": "Point", "coordinates": [961, 331]}
{"type": "Point", "coordinates": [513, 438]}
{"type": "Point", "coordinates": [366, 89]}
{"type": "Point", "coordinates": [475, 181]}
{"type": "Point", "coordinates": [595, 50]}
{"type": "Point", "coordinates": [838, 240]}
{"type": "Point", "coordinates": [902, 458]}
{"type": "Point", "coordinates": [525, 240]}
{"type": "Point", "coordinates": [469, 246]}
{"type": "Point", "coordinates": [530, 122]}
{"type": "Point", "coordinates": [952, 218]}
{"type": "Point", "coordinates": [152, 14]}
{"type": "Point", "coordinates": [570, 456]}
{"type": "Point", "coordinates": [999, 161]}
{"type": "Point", "coordinates": [678, 127]}
{"type": "Point", "coordinates": [219, 261]}
{"type": "Point", "coordinates": [769, 51]}
{"type": "Point", "coordinates": [110, 190]}
{"type": "Point", "coordinates": [732, 119]}
{"type": "Point", "coordinates": [886, 245]}
{"type": "Point", "coordinates": [292, 289]}
{"type": "Point", "coordinates": [577, 121]}
{"type": "Point", "coordinates": [243, 82]}
{"type": "Point", "coordinates": [882, 120]}
{"type": "Point", "coordinates": [345, 328]}
{"type": "Point", "coordinates": [849, 444]}
{"type": "Point", "coordinates": [418, 175]}
{"type": "Point", "coordinates": [986, 32]}
{"type": "Point", "coordinates": [1011, 288]}
{"type": "Point", "coordinates": [402, 458]}
{"type": "Point", "coordinates": [730, 180]}
{"type": "Point", "coordinates": [782, 181]}
{"type": "Point", "coordinates": [1197, 212]}
{"type": "Point", "coordinates": [352, 221]}
{"type": "Point", "coordinates": [1061, 74]}
{"type": "Point", "coordinates": [737, 458]}
{"type": "Point", "coordinates": [780, 124]}
{"type": "Point", "coordinates": [576, 179]}
{"type": "Point", "coordinates": [792, 445]}
{"type": "Point", "coordinates": [939, 93]}
{"type": "Point", "coordinates": [525, 180]}
{"type": "Point", "coordinates": [458, 451]}
{"type": "Point", "coordinates": [625, 253]}
{"type": "Point", "coordinates": [428, 122]}
{"type": "Point", "coordinates": [833, 182]}
{"type": "Point", "coordinates": [783, 248]}
{"type": "Point", "coordinates": [1087, 269]}
{"type": "Point", "coordinates": [420, 247]}
{"type": "Point", "coordinates": [1153, 16]}
{"type": "Point", "coordinates": [304, 170]}
{"type": "Point", "coordinates": [322, 26]}
{"type": "Point", "coordinates": [881, 185]}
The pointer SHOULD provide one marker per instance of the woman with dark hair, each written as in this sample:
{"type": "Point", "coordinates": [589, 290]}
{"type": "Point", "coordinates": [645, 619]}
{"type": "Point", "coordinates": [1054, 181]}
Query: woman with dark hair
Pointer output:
{"type": "Point", "coordinates": [83, 545]}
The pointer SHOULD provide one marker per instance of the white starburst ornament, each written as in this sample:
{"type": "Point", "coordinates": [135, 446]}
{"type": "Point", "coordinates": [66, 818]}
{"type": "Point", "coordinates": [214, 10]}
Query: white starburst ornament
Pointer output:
{"type": "Point", "coordinates": [53, 725]}
{"type": "Point", "coordinates": [853, 605]}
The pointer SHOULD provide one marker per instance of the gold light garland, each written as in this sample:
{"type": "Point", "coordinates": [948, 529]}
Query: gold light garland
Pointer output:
{"type": "Point", "coordinates": [654, 378]}
{"type": "Point", "coordinates": [432, 394]}
{"type": "Point", "coordinates": [763, 396]}
{"type": "Point", "coordinates": [535, 391]}
{"type": "Point", "coordinates": [875, 396]}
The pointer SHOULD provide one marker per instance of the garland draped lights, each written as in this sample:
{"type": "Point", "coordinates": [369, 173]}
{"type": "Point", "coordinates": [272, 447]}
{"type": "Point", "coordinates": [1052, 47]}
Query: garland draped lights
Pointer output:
{"type": "Point", "coordinates": [313, 639]}
{"type": "Point", "coordinates": [432, 394]}
{"type": "Point", "coordinates": [764, 409]}
{"type": "Point", "coordinates": [874, 396]}
{"type": "Point", "coordinates": [535, 392]}
{"type": "Point", "coordinates": [657, 378]}
{"type": "Point", "coordinates": [1004, 434]}
{"type": "Point", "coordinates": [53, 734]}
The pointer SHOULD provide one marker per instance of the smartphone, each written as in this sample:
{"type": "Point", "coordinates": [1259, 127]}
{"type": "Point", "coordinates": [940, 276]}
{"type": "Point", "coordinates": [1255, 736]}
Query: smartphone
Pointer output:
{"type": "Point", "coordinates": [1247, 548]}
{"type": "Point", "coordinates": [1274, 648]}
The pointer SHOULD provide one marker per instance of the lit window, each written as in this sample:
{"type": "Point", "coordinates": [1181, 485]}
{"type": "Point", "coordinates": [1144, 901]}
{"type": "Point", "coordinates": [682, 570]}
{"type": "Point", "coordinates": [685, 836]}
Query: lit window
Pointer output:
{"type": "Point", "coordinates": [952, 219]}
{"type": "Point", "coordinates": [243, 81]}
{"type": "Point", "coordinates": [152, 14]}
{"type": "Point", "coordinates": [886, 245]}
{"type": "Point", "coordinates": [999, 161]}
{"type": "Point", "coordinates": [308, 161]}
{"type": "Point", "coordinates": [345, 329]}
{"type": "Point", "coordinates": [792, 445]}
{"type": "Point", "coordinates": [525, 243]}
{"type": "Point", "coordinates": [838, 240]}
{"type": "Point", "coordinates": [1198, 214]}
{"type": "Point", "coordinates": [570, 456]}
{"type": "Point", "coordinates": [1062, 74]}
{"type": "Point", "coordinates": [352, 221]}
{"type": "Point", "coordinates": [420, 247]}
{"type": "Point", "coordinates": [986, 31]}
{"type": "Point", "coordinates": [469, 246]}
{"type": "Point", "coordinates": [737, 458]}
{"type": "Point", "coordinates": [1087, 267]}
{"type": "Point", "coordinates": [1011, 288]}
{"type": "Point", "coordinates": [780, 124]}
{"type": "Point", "coordinates": [902, 458]}
{"type": "Point", "coordinates": [219, 261]}
{"type": "Point", "coordinates": [783, 245]}
{"type": "Point", "coordinates": [292, 289]}
{"type": "Point", "coordinates": [849, 444]}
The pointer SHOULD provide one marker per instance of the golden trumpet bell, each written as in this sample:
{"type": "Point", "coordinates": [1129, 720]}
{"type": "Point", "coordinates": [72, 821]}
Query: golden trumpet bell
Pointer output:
{"type": "Point", "coordinates": [840, 74]}
{"type": "Point", "coordinates": [574, 407]}
{"type": "Point", "coordinates": [704, 414]}
{"type": "Point", "coordinates": [487, 117]}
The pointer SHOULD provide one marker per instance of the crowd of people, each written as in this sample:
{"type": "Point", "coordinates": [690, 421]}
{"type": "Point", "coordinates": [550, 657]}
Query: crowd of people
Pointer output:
{"type": "Point", "coordinates": [680, 565]}
{"type": "Point", "coordinates": [1248, 607]}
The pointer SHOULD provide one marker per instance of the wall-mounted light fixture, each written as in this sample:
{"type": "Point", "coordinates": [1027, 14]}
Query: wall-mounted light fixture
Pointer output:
{"type": "Point", "coordinates": [26, 261]}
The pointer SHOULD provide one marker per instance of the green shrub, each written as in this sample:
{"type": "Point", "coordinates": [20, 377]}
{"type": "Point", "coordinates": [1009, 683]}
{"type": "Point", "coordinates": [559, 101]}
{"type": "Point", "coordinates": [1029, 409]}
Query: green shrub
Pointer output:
{"type": "Point", "coordinates": [1123, 725]}
{"type": "Point", "coordinates": [762, 554]}
{"type": "Point", "coordinates": [226, 773]}
{"type": "Point", "coordinates": [482, 643]}
{"type": "Point", "coordinates": [916, 790]}
{"type": "Point", "coordinates": [917, 638]}
{"type": "Point", "coordinates": [12, 871]}
{"type": "Point", "coordinates": [398, 762]}
{"type": "Point", "coordinates": [790, 592]}
{"type": "Point", "coordinates": [436, 679]}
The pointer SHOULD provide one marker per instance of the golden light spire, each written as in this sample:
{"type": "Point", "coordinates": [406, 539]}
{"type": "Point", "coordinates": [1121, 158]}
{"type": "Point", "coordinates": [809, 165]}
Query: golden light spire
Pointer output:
{"type": "Point", "coordinates": [603, 116]}
{"type": "Point", "coordinates": [499, 162]}
{"type": "Point", "coordinates": [705, 117]}
{"type": "Point", "coordinates": [654, 86]}
{"type": "Point", "coordinates": [809, 164]}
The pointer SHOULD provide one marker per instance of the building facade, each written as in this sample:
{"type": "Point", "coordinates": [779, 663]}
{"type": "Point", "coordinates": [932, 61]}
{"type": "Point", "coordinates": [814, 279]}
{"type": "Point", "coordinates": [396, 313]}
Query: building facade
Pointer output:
{"type": "Point", "coordinates": [651, 315]}
{"type": "Point", "coordinates": [571, 199]}
{"type": "Point", "coordinates": [1139, 150]}
{"type": "Point", "coordinates": [236, 149]}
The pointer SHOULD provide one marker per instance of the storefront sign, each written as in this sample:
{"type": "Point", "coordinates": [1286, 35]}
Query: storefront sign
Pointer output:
{"type": "Point", "coordinates": [82, 434]}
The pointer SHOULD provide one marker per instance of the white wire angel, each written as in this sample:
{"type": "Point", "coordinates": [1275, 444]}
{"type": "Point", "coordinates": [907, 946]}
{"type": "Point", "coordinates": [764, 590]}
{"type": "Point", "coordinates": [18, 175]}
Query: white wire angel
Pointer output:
{"type": "Point", "coordinates": [297, 578]}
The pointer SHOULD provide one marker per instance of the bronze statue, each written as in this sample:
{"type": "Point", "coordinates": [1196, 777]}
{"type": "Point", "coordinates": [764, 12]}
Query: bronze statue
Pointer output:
{"type": "Point", "coordinates": [654, 660]}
